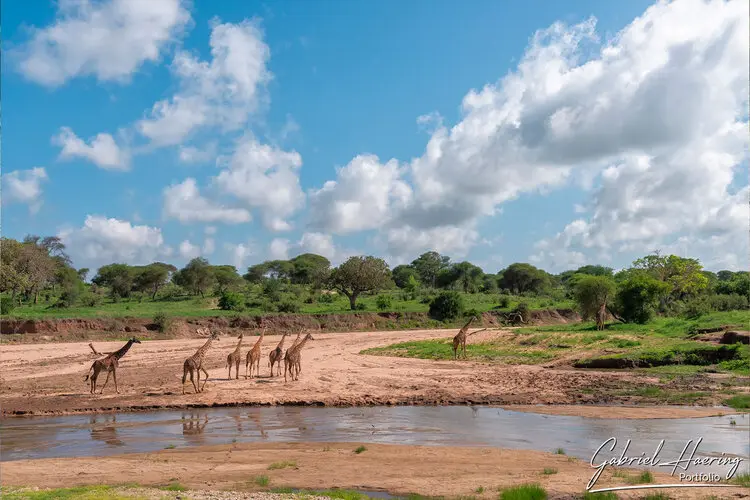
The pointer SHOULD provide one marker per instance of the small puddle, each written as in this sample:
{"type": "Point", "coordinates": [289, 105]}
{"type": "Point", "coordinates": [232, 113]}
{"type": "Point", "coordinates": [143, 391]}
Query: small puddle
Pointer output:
{"type": "Point", "coordinates": [580, 437]}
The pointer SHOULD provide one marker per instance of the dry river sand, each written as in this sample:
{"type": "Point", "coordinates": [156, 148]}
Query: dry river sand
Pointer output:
{"type": "Point", "coordinates": [49, 378]}
{"type": "Point", "coordinates": [398, 469]}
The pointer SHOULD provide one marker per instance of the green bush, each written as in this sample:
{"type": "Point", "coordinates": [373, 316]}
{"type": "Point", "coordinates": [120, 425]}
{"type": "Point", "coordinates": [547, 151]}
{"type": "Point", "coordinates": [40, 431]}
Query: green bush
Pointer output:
{"type": "Point", "coordinates": [163, 322]}
{"type": "Point", "coordinates": [288, 306]}
{"type": "Point", "coordinates": [447, 306]}
{"type": "Point", "coordinates": [473, 312]}
{"type": "Point", "coordinates": [7, 305]}
{"type": "Point", "coordinates": [523, 309]}
{"type": "Point", "coordinates": [504, 301]}
{"type": "Point", "coordinates": [638, 298]}
{"type": "Point", "coordinates": [696, 307]}
{"type": "Point", "coordinates": [231, 301]}
{"type": "Point", "coordinates": [90, 299]}
{"type": "Point", "coordinates": [327, 298]}
{"type": "Point", "coordinates": [361, 306]}
{"type": "Point", "coordinates": [729, 302]}
{"type": "Point", "coordinates": [383, 302]}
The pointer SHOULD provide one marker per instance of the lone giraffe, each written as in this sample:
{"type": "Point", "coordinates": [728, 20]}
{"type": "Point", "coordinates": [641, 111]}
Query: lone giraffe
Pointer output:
{"type": "Point", "coordinates": [601, 314]}
{"type": "Point", "coordinates": [293, 358]}
{"type": "Point", "coordinates": [108, 363]}
{"type": "Point", "coordinates": [253, 356]}
{"type": "Point", "coordinates": [234, 358]}
{"type": "Point", "coordinates": [274, 357]}
{"type": "Point", "coordinates": [459, 341]}
{"type": "Point", "coordinates": [194, 364]}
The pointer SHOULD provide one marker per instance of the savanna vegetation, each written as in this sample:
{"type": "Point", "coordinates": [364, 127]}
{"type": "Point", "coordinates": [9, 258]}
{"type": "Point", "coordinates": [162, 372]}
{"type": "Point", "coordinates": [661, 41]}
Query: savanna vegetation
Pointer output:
{"type": "Point", "coordinates": [38, 279]}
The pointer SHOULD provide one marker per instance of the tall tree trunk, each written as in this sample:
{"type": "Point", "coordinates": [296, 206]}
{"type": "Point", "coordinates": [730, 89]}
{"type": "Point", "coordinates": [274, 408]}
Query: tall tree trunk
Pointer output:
{"type": "Point", "coordinates": [352, 301]}
{"type": "Point", "coordinates": [36, 296]}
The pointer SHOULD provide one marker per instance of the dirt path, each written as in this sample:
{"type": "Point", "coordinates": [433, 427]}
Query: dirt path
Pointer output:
{"type": "Point", "coordinates": [49, 378]}
{"type": "Point", "coordinates": [398, 469]}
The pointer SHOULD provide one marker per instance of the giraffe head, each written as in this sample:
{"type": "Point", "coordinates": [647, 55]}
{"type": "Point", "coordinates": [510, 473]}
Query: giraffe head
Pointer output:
{"type": "Point", "coordinates": [309, 337]}
{"type": "Point", "coordinates": [135, 340]}
{"type": "Point", "coordinates": [215, 334]}
{"type": "Point", "coordinates": [240, 336]}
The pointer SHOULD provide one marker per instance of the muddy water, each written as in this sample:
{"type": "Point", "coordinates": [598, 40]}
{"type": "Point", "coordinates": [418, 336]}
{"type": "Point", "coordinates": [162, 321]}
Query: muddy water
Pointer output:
{"type": "Point", "coordinates": [88, 435]}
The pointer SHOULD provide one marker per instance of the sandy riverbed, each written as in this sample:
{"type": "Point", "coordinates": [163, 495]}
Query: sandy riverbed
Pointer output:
{"type": "Point", "coordinates": [397, 469]}
{"type": "Point", "coordinates": [49, 379]}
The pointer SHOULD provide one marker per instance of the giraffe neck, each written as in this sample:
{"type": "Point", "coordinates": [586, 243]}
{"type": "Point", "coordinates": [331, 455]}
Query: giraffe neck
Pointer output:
{"type": "Point", "coordinates": [281, 344]}
{"type": "Point", "coordinates": [257, 343]}
{"type": "Point", "coordinates": [202, 351]}
{"type": "Point", "coordinates": [121, 352]}
{"type": "Point", "coordinates": [239, 344]}
{"type": "Point", "coordinates": [301, 344]}
{"type": "Point", "coordinates": [466, 326]}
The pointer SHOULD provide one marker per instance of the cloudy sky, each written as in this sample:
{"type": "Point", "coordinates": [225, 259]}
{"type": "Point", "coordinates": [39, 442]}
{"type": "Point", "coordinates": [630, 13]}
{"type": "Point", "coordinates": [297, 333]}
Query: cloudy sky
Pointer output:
{"type": "Point", "coordinates": [556, 133]}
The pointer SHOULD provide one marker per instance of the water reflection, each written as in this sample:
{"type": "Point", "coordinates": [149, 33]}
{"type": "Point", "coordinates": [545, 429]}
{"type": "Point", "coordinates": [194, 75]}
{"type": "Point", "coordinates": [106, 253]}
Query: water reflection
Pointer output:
{"type": "Point", "coordinates": [42, 437]}
{"type": "Point", "coordinates": [106, 433]}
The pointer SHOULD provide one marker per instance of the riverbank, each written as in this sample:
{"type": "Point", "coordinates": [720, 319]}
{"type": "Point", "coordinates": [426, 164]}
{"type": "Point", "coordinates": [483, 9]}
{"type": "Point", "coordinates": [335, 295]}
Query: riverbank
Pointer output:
{"type": "Point", "coordinates": [48, 379]}
{"type": "Point", "coordinates": [397, 469]}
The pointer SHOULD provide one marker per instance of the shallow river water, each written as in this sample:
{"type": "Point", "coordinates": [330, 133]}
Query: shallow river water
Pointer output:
{"type": "Point", "coordinates": [107, 434]}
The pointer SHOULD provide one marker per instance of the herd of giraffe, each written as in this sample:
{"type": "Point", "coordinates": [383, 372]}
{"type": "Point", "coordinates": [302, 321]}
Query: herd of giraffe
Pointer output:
{"type": "Point", "coordinates": [193, 366]}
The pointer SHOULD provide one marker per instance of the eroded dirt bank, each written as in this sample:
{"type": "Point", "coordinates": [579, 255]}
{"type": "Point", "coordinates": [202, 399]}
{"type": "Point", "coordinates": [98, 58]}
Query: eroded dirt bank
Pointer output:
{"type": "Point", "coordinates": [56, 330]}
{"type": "Point", "coordinates": [49, 378]}
{"type": "Point", "coordinates": [397, 469]}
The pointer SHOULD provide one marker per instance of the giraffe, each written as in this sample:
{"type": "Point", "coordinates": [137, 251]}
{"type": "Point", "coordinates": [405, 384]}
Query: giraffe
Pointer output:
{"type": "Point", "coordinates": [293, 358]}
{"type": "Point", "coordinates": [194, 364]}
{"type": "Point", "coordinates": [274, 357]}
{"type": "Point", "coordinates": [253, 356]}
{"type": "Point", "coordinates": [234, 358]}
{"type": "Point", "coordinates": [601, 314]}
{"type": "Point", "coordinates": [459, 341]}
{"type": "Point", "coordinates": [108, 363]}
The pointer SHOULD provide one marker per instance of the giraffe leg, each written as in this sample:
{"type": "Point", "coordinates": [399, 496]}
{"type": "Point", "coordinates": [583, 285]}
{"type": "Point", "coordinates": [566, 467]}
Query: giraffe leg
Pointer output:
{"type": "Point", "coordinates": [105, 382]}
{"type": "Point", "coordinates": [229, 375]}
{"type": "Point", "coordinates": [286, 364]}
{"type": "Point", "coordinates": [205, 381]}
{"type": "Point", "coordinates": [184, 377]}
{"type": "Point", "coordinates": [114, 377]}
{"type": "Point", "coordinates": [193, 381]}
{"type": "Point", "coordinates": [237, 370]}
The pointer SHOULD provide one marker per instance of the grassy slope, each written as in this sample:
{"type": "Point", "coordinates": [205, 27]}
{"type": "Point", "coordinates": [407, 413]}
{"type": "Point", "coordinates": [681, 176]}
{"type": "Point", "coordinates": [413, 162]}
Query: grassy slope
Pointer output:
{"type": "Point", "coordinates": [192, 307]}
{"type": "Point", "coordinates": [662, 337]}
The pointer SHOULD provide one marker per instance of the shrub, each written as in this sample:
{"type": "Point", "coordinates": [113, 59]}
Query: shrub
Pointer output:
{"type": "Point", "coordinates": [288, 306]}
{"type": "Point", "coordinates": [728, 302]}
{"type": "Point", "coordinates": [163, 322]}
{"type": "Point", "coordinates": [638, 298]}
{"type": "Point", "coordinates": [447, 306]}
{"type": "Point", "coordinates": [327, 298]}
{"type": "Point", "coordinates": [504, 301]}
{"type": "Point", "coordinates": [696, 307]}
{"type": "Point", "coordinates": [231, 301]}
{"type": "Point", "coordinates": [523, 309]}
{"type": "Point", "coordinates": [383, 302]}
{"type": "Point", "coordinates": [7, 305]}
{"type": "Point", "coordinates": [591, 292]}
{"type": "Point", "coordinates": [310, 299]}
{"type": "Point", "coordinates": [90, 300]}
{"type": "Point", "coordinates": [361, 306]}
{"type": "Point", "coordinates": [473, 312]}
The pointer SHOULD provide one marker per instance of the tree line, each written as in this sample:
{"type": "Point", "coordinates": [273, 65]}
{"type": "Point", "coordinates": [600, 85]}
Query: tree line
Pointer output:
{"type": "Point", "coordinates": [39, 267]}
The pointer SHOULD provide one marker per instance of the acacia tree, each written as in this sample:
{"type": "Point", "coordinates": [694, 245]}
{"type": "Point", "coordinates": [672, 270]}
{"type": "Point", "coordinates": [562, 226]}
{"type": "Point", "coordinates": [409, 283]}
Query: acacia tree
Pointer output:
{"type": "Point", "coordinates": [429, 265]}
{"type": "Point", "coordinates": [591, 292]}
{"type": "Point", "coordinates": [197, 276]}
{"type": "Point", "coordinates": [358, 275]}
{"type": "Point", "coordinates": [152, 277]}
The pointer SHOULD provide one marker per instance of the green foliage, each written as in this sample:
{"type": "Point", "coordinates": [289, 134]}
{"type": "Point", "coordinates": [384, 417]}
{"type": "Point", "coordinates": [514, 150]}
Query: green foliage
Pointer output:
{"type": "Point", "coordinates": [197, 276]}
{"type": "Point", "coordinates": [728, 302]}
{"type": "Point", "coordinates": [448, 305]}
{"type": "Point", "coordinates": [739, 402]}
{"type": "Point", "coordinates": [591, 292]}
{"type": "Point", "coordinates": [118, 277]}
{"type": "Point", "coordinates": [524, 492]}
{"type": "Point", "coordinates": [226, 278]}
{"type": "Point", "coordinates": [428, 265]}
{"type": "Point", "coordinates": [232, 301]}
{"type": "Point", "coordinates": [504, 301]}
{"type": "Point", "coordinates": [288, 306]}
{"type": "Point", "coordinates": [309, 269]}
{"type": "Point", "coordinates": [523, 278]}
{"type": "Point", "coordinates": [696, 307]}
{"type": "Point", "coordinates": [360, 274]}
{"type": "Point", "coordinates": [383, 302]}
{"type": "Point", "coordinates": [684, 276]}
{"type": "Point", "coordinates": [7, 304]}
{"type": "Point", "coordinates": [163, 322]}
{"type": "Point", "coordinates": [523, 309]}
{"type": "Point", "coordinates": [638, 297]}
{"type": "Point", "coordinates": [402, 274]}
{"type": "Point", "coordinates": [360, 449]}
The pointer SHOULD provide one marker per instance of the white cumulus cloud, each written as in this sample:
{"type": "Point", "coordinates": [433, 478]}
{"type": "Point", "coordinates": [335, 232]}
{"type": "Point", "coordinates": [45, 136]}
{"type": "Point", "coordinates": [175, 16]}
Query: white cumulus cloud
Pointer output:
{"type": "Point", "coordinates": [106, 39]}
{"type": "Point", "coordinates": [102, 150]}
{"type": "Point", "coordinates": [184, 202]}
{"type": "Point", "coordinates": [24, 186]}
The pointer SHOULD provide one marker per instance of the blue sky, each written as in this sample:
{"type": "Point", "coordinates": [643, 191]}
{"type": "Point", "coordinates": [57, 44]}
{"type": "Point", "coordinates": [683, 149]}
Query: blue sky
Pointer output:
{"type": "Point", "coordinates": [576, 156]}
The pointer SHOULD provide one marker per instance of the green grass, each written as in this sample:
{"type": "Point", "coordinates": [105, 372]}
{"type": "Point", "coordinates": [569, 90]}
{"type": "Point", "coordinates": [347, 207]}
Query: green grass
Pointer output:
{"type": "Point", "coordinates": [644, 477]}
{"type": "Point", "coordinates": [548, 471]}
{"type": "Point", "coordinates": [606, 495]}
{"type": "Point", "coordinates": [442, 349]}
{"type": "Point", "coordinates": [188, 306]}
{"type": "Point", "coordinates": [78, 493]}
{"type": "Point", "coordinates": [261, 480]}
{"type": "Point", "coordinates": [282, 465]}
{"type": "Point", "coordinates": [524, 492]}
{"type": "Point", "coordinates": [742, 479]}
{"type": "Point", "coordinates": [170, 447]}
{"type": "Point", "coordinates": [656, 496]}
{"type": "Point", "coordinates": [360, 449]}
{"type": "Point", "coordinates": [479, 490]}
{"type": "Point", "coordinates": [559, 451]}
{"type": "Point", "coordinates": [739, 402]}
